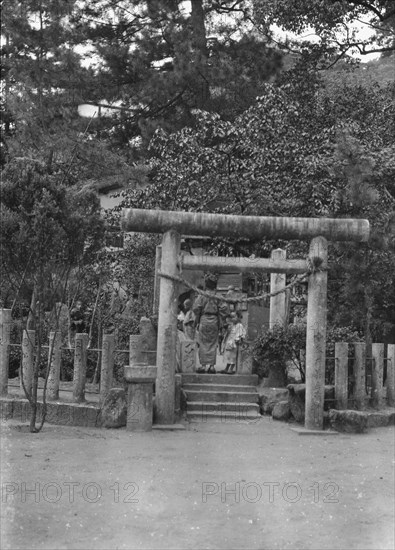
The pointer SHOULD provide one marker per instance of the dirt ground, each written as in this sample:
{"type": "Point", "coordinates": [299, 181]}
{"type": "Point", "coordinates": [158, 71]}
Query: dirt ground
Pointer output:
{"type": "Point", "coordinates": [220, 485]}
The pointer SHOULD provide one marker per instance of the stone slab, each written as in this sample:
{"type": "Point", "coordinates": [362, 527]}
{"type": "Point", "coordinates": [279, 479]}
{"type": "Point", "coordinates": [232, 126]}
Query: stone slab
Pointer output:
{"type": "Point", "coordinates": [169, 427]}
{"type": "Point", "coordinates": [138, 374]}
{"type": "Point", "coordinates": [305, 431]}
{"type": "Point", "coordinates": [64, 414]}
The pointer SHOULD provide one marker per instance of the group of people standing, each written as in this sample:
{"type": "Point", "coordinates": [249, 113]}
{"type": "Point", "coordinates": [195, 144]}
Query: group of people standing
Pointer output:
{"type": "Point", "coordinates": [213, 324]}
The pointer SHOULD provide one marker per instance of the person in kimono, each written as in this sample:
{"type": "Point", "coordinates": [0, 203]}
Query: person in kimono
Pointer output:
{"type": "Point", "coordinates": [189, 320]}
{"type": "Point", "coordinates": [234, 336]}
{"type": "Point", "coordinates": [209, 314]}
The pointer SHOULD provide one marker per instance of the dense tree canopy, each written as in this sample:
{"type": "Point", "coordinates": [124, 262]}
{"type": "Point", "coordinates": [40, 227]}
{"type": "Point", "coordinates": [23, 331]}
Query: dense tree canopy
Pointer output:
{"type": "Point", "coordinates": [162, 60]}
{"type": "Point", "coordinates": [301, 150]}
{"type": "Point", "coordinates": [47, 229]}
{"type": "Point", "coordinates": [331, 29]}
{"type": "Point", "coordinates": [212, 112]}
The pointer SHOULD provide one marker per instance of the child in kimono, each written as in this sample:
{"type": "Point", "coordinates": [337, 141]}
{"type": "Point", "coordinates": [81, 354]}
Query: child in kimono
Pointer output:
{"type": "Point", "coordinates": [234, 337]}
{"type": "Point", "coordinates": [189, 320]}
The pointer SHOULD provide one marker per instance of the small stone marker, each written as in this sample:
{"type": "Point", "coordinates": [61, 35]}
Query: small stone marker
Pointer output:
{"type": "Point", "coordinates": [188, 356]}
{"type": "Point", "coordinates": [140, 379]}
{"type": "Point", "coordinates": [114, 409]}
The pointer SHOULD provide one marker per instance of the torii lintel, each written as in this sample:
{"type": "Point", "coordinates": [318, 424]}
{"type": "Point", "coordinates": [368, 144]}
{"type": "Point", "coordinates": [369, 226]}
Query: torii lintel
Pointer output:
{"type": "Point", "coordinates": [250, 227]}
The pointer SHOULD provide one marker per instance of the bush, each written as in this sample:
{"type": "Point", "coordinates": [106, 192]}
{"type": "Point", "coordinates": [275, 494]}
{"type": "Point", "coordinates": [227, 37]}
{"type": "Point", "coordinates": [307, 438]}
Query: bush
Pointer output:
{"type": "Point", "coordinates": [279, 345]}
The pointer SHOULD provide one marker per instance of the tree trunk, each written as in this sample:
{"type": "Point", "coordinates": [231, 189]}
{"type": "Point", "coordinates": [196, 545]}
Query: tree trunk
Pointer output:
{"type": "Point", "coordinates": [36, 371]}
{"type": "Point", "coordinates": [200, 53]}
{"type": "Point", "coordinates": [31, 319]}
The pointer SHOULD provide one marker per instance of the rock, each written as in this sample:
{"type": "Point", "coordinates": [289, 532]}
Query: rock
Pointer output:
{"type": "Point", "coordinates": [293, 373]}
{"type": "Point", "coordinates": [281, 411]}
{"type": "Point", "coordinates": [348, 421]}
{"type": "Point", "coordinates": [377, 419]}
{"type": "Point", "coordinates": [297, 393]}
{"type": "Point", "coordinates": [114, 409]}
{"type": "Point", "coordinates": [268, 397]}
{"type": "Point", "coordinates": [381, 418]}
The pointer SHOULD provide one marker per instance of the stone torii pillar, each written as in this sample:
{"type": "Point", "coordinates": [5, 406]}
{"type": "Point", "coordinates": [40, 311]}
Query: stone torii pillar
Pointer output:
{"type": "Point", "coordinates": [167, 330]}
{"type": "Point", "coordinates": [174, 224]}
{"type": "Point", "coordinates": [316, 335]}
{"type": "Point", "coordinates": [278, 302]}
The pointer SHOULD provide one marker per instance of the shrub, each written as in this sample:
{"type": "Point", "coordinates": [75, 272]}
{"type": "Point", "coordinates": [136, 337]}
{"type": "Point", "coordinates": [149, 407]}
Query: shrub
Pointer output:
{"type": "Point", "coordinates": [281, 344]}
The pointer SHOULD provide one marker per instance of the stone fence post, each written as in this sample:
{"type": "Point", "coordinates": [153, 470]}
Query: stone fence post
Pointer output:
{"type": "Point", "coordinates": [360, 375]}
{"type": "Point", "coordinates": [377, 374]}
{"type": "Point", "coordinates": [79, 378]}
{"type": "Point", "coordinates": [391, 375]}
{"type": "Point", "coordinates": [5, 331]}
{"type": "Point", "coordinates": [54, 362]}
{"type": "Point", "coordinates": [341, 375]}
{"type": "Point", "coordinates": [107, 365]}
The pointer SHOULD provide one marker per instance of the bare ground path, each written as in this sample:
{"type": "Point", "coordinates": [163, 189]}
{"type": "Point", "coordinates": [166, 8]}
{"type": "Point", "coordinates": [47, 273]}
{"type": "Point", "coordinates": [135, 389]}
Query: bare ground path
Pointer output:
{"type": "Point", "coordinates": [225, 485]}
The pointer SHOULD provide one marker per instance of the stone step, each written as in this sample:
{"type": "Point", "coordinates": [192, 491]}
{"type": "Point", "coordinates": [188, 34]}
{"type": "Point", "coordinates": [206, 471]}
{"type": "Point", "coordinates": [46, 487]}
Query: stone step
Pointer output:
{"type": "Point", "coordinates": [224, 416]}
{"type": "Point", "coordinates": [217, 406]}
{"type": "Point", "coordinates": [218, 387]}
{"type": "Point", "coordinates": [223, 396]}
{"type": "Point", "coordinates": [233, 379]}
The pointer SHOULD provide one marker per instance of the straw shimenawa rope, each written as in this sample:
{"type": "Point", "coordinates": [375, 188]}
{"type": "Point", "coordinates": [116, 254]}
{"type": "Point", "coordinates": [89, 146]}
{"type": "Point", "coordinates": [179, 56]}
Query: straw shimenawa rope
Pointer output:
{"type": "Point", "coordinates": [312, 267]}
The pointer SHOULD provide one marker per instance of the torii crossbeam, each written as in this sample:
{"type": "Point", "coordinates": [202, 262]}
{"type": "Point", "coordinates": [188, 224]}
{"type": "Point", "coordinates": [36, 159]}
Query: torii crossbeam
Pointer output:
{"type": "Point", "coordinates": [174, 224]}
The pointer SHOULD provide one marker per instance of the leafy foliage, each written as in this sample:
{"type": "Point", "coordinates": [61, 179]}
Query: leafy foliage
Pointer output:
{"type": "Point", "coordinates": [46, 230]}
{"type": "Point", "coordinates": [301, 150]}
{"type": "Point", "coordinates": [276, 347]}
{"type": "Point", "coordinates": [336, 25]}
{"type": "Point", "coordinates": [162, 60]}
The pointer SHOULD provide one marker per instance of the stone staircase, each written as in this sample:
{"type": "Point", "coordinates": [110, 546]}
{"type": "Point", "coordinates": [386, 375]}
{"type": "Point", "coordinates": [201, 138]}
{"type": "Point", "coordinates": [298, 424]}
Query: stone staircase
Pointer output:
{"type": "Point", "coordinates": [221, 397]}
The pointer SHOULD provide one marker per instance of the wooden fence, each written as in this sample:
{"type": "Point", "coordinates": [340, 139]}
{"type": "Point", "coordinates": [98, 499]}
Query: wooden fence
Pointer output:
{"type": "Point", "coordinates": [54, 347]}
{"type": "Point", "coordinates": [358, 379]}
{"type": "Point", "coordinates": [365, 374]}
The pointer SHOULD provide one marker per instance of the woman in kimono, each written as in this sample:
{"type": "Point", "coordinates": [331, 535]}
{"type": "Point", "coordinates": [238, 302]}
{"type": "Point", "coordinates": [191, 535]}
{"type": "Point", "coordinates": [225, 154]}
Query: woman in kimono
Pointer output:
{"type": "Point", "coordinates": [209, 317]}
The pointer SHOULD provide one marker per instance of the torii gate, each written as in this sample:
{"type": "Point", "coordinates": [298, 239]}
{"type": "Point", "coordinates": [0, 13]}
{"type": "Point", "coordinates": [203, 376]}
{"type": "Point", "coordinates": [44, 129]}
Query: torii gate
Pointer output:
{"type": "Point", "coordinates": [174, 224]}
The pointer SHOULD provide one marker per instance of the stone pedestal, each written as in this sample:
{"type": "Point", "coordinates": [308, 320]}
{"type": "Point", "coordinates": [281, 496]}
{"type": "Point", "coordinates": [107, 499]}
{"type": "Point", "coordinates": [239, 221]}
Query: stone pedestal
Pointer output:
{"type": "Point", "coordinates": [140, 380]}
